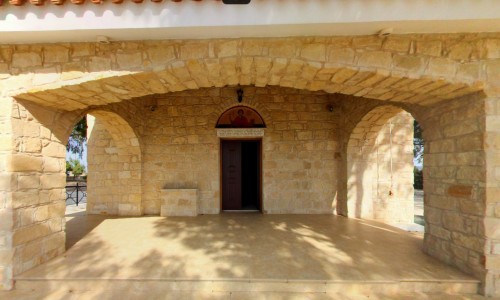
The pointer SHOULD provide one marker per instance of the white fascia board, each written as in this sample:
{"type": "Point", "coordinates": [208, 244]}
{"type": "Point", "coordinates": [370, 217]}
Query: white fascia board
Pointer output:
{"type": "Point", "coordinates": [261, 18]}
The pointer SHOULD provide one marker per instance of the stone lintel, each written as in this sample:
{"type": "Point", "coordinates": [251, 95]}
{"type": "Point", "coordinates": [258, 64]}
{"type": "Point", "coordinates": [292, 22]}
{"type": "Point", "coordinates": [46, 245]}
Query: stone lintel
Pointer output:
{"type": "Point", "coordinates": [240, 132]}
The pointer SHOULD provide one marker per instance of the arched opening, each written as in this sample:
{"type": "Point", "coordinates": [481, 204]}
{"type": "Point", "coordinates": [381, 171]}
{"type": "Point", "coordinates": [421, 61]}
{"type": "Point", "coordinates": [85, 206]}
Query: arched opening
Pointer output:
{"type": "Point", "coordinates": [380, 167]}
{"type": "Point", "coordinates": [110, 159]}
{"type": "Point", "coordinates": [418, 174]}
{"type": "Point", "coordinates": [76, 170]}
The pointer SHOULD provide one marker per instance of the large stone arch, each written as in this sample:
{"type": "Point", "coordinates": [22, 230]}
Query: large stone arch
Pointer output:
{"type": "Point", "coordinates": [398, 69]}
{"type": "Point", "coordinates": [380, 166]}
{"type": "Point", "coordinates": [114, 166]}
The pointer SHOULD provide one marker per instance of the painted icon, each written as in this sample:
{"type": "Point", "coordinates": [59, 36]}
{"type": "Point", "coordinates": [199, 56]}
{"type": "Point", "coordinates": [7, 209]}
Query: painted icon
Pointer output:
{"type": "Point", "coordinates": [240, 117]}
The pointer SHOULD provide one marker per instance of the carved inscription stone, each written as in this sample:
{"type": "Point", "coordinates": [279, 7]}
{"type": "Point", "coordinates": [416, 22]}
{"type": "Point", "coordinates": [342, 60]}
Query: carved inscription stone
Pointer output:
{"type": "Point", "coordinates": [240, 132]}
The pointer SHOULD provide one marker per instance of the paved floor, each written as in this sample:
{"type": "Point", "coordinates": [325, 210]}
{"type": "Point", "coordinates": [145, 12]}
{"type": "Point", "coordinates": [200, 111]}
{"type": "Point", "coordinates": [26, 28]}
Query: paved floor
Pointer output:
{"type": "Point", "coordinates": [241, 246]}
{"type": "Point", "coordinates": [297, 248]}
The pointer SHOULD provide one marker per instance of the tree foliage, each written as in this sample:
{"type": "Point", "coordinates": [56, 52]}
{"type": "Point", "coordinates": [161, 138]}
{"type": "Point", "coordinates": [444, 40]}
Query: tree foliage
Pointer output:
{"type": "Point", "coordinates": [418, 156]}
{"type": "Point", "coordinates": [418, 179]}
{"type": "Point", "coordinates": [75, 166]}
{"type": "Point", "coordinates": [418, 142]}
{"type": "Point", "coordinates": [78, 138]}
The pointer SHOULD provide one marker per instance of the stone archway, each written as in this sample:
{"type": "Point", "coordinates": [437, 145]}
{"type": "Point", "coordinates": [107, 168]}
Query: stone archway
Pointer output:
{"type": "Point", "coordinates": [380, 166]}
{"type": "Point", "coordinates": [437, 74]}
{"type": "Point", "coordinates": [115, 166]}
{"type": "Point", "coordinates": [398, 69]}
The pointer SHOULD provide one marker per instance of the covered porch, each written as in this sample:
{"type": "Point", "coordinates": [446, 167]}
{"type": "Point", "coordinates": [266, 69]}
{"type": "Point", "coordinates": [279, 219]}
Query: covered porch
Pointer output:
{"type": "Point", "coordinates": [338, 140]}
{"type": "Point", "coordinates": [236, 255]}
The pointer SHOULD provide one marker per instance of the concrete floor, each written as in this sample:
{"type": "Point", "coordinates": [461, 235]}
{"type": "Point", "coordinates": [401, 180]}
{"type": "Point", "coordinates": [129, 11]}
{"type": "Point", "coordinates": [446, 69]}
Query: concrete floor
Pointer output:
{"type": "Point", "coordinates": [241, 246]}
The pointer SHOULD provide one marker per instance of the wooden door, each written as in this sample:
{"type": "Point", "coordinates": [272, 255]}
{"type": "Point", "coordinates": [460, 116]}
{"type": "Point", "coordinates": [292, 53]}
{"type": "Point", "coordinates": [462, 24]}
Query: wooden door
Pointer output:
{"type": "Point", "coordinates": [231, 175]}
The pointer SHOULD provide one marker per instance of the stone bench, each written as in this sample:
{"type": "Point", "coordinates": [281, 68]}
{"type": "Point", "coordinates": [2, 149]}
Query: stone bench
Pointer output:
{"type": "Point", "coordinates": [179, 202]}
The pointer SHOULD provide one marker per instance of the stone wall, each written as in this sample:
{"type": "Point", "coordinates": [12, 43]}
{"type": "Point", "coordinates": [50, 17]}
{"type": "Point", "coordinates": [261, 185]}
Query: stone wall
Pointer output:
{"type": "Point", "coordinates": [182, 150]}
{"type": "Point", "coordinates": [454, 183]}
{"type": "Point", "coordinates": [301, 152]}
{"type": "Point", "coordinates": [114, 166]}
{"type": "Point", "coordinates": [492, 193]}
{"type": "Point", "coordinates": [37, 167]}
{"type": "Point", "coordinates": [380, 166]}
{"type": "Point", "coordinates": [7, 182]}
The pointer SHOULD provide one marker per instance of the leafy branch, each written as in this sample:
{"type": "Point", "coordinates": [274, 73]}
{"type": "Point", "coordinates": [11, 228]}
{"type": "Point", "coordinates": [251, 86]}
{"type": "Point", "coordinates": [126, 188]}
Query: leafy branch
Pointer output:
{"type": "Point", "coordinates": [78, 138]}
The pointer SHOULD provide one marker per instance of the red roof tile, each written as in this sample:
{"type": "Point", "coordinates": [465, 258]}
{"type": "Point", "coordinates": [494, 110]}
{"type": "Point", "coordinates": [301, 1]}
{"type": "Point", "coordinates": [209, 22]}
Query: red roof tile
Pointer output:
{"type": "Point", "coordinates": [79, 2]}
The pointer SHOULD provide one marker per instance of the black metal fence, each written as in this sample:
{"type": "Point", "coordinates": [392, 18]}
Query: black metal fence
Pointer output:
{"type": "Point", "coordinates": [77, 192]}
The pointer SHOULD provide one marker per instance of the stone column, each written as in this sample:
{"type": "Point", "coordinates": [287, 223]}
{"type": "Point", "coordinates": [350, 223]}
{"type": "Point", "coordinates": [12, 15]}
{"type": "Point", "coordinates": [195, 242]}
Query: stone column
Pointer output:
{"type": "Point", "coordinates": [7, 184]}
{"type": "Point", "coordinates": [492, 217]}
{"type": "Point", "coordinates": [37, 167]}
{"type": "Point", "coordinates": [454, 183]}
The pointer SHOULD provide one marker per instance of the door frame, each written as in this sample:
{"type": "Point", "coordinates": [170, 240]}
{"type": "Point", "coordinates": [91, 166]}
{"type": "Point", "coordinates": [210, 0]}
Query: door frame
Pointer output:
{"type": "Point", "coordinates": [259, 139]}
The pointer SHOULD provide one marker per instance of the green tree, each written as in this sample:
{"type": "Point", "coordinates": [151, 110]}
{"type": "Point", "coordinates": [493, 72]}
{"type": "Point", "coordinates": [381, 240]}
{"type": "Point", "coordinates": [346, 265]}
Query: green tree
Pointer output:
{"type": "Point", "coordinates": [76, 167]}
{"type": "Point", "coordinates": [78, 138]}
{"type": "Point", "coordinates": [418, 156]}
{"type": "Point", "coordinates": [418, 143]}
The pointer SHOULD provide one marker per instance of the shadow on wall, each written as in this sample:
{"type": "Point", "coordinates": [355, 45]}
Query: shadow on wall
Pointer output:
{"type": "Point", "coordinates": [380, 166]}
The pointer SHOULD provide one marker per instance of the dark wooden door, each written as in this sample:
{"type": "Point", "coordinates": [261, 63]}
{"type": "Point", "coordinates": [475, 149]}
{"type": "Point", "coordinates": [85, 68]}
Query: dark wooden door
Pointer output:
{"type": "Point", "coordinates": [231, 175]}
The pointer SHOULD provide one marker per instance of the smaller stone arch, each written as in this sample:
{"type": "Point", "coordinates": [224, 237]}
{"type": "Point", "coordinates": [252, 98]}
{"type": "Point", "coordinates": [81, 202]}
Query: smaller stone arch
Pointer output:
{"type": "Point", "coordinates": [227, 97]}
{"type": "Point", "coordinates": [114, 166]}
{"type": "Point", "coordinates": [380, 166]}
{"type": "Point", "coordinates": [240, 117]}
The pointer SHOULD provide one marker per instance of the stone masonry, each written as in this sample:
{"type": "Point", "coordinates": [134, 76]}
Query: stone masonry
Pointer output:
{"type": "Point", "coordinates": [114, 162]}
{"type": "Point", "coordinates": [380, 166]}
{"type": "Point", "coordinates": [449, 83]}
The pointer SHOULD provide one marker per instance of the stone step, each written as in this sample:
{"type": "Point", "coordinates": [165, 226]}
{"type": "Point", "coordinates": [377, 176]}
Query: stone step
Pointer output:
{"type": "Point", "coordinates": [139, 286]}
{"type": "Point", "coordinates": [189, 295]}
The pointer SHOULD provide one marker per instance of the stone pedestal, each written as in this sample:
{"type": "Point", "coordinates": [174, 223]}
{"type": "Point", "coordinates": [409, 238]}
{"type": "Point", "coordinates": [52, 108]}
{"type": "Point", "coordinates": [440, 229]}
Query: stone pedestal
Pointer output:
{"type": "Point", "coordinates": [179, 202]}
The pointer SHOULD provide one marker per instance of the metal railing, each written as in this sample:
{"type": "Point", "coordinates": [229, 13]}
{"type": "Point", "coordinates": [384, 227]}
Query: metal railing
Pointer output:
{"type": "Point", "coordinates": [76, 193]}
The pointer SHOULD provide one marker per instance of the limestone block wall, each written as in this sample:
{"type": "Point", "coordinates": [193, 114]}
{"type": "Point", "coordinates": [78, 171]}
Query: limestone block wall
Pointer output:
{"type": "Point", "coordinates": [394, 150]}
{"type": "Point", "coordinates": [182, 150]}
{"type": "Point", "coordinates": [380, 166]}
{"type": "Point", "coordinates": [37, 168]}
{"type": "Point", "coordinates": [492, 213]}
{"type": "Point", "coordinates": [114, 166]}
{"type": "Point", "coordinates": [454, 183]}
{"type": "Point", "coordinates": [7, 181]}
{"type": "Point", "coordinates": [104, 192]}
